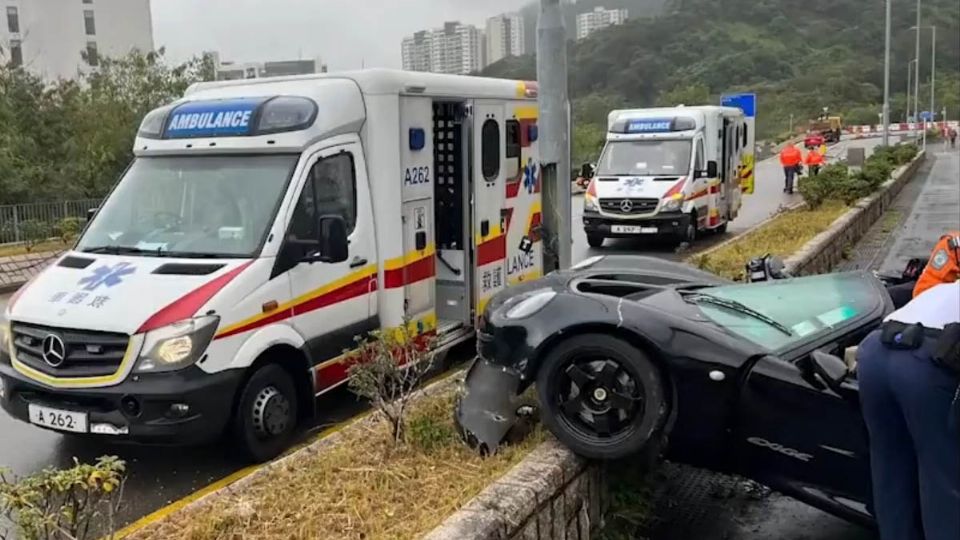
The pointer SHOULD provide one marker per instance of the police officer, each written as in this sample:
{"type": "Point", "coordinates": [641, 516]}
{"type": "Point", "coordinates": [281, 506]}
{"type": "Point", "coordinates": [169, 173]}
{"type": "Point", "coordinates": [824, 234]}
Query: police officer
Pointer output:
{"type": "Point", "coordinates": [909, 373]}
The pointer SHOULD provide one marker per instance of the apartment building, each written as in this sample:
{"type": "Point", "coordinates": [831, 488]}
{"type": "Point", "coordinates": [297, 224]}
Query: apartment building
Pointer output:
{"type": "Point", "coordinates": [229, 71]}
{"type": "Point", "coordinates": [454, 49]}
{"type": "Point", "coordinates": [591, 21]}
{"type": "Point", "coordinates": [62, 38]}
{"type": "Point", "coordinates": [505, 37]}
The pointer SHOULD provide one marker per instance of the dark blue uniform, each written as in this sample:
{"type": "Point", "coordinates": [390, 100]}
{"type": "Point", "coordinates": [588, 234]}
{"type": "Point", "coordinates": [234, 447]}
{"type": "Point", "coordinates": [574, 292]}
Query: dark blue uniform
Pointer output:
{"type": "Point", "coordinates": [910, 406]}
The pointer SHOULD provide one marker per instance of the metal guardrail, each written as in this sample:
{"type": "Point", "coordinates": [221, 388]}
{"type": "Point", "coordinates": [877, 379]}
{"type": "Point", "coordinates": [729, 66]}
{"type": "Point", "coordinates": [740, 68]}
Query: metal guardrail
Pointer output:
{"type": "Point", "coordinates": [31, 222]}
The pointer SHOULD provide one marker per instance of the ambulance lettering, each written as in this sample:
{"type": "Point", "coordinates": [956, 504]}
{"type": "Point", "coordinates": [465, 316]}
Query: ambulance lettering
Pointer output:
{"type": "Point", "coordinates": [209, 120]}
{"type": "Point", "coordinates": [520, 264]}
{"type": "Point", "coordinates": [415, 176]}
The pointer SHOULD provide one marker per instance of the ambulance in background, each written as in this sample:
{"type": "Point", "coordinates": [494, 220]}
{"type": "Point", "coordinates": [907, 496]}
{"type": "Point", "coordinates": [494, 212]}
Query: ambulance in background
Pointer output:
{"type": "Point", "coordinates": [261, 227]}
{"type": "Point", "coordinates": [669, 172]}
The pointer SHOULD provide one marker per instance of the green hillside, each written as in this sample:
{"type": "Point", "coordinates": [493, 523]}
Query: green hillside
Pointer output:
{"type": "Point", "coordinates": [797, 56]}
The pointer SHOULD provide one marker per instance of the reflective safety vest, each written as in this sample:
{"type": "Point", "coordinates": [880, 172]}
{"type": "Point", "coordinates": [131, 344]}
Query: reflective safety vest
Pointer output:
{"type": "Point", "coordinates": [814, 157]}
{"type": "Point", "coordinates": [790, 156]}
{"type": "Point", "coordinates": [943, 266]}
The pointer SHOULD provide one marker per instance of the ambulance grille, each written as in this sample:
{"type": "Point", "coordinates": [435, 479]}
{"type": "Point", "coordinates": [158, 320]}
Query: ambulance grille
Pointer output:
{"type": "Point", "coordinates": [628, 207]}
{"type": "Point", "coordinates": [85, 353]}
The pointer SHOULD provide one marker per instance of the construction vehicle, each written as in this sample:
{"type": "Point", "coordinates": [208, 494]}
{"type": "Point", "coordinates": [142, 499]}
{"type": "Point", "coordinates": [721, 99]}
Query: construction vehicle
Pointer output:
{"type": "Point", "coordinates": [829, 127]}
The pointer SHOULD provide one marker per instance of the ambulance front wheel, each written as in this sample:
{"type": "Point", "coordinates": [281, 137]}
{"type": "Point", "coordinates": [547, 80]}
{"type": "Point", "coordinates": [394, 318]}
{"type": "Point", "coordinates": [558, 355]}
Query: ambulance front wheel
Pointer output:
{"type": "Point", "coordinates": [595, 240]}
{"type": "Point", "coordinates": [688, 235]}
{"type": "Point", "coordinates": [266, 416]}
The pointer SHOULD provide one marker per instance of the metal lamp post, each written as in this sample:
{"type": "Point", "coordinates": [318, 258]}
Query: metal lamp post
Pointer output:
{"type": "Point", "coordinates": [885, 115]}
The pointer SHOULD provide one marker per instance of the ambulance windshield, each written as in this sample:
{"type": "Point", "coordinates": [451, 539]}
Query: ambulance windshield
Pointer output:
{"type": "Point", "coordinates": [200, 207]}
{"type": "Point", "coordinates": [645, 158]}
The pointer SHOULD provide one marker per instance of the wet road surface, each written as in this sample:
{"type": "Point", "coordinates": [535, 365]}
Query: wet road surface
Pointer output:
{"type": "Point", "coordinates": [160, 476]}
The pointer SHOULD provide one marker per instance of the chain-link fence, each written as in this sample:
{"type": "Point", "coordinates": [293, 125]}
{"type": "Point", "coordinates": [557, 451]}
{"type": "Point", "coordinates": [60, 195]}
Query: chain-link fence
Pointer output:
{"type": "Point", "coordinates": [36, 222]}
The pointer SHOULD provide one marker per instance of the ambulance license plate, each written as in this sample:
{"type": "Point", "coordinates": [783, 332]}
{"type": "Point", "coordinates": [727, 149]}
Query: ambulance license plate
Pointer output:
{"type": "Point", "coordinates": [58, 419]}
{"type": "Point", "coordinates": [634, 229]}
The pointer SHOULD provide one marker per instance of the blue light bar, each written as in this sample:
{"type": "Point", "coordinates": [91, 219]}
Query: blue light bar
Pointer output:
{"type": "Point", "coordinates": [650, 125]}
{"type": "Point", "coordinates": [222, 118]}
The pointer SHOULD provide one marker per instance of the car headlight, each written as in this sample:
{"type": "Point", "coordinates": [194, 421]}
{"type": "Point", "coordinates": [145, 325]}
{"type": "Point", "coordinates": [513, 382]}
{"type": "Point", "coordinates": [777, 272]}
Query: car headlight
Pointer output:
{"type": "Point", "coordinates": [176, 346]}
{"type": "Point", "coordinates": [590, 204]}
{"type": "Point", "coordinates": [673, 204]}
{"type": "Point", "coordinates": [530, 304]}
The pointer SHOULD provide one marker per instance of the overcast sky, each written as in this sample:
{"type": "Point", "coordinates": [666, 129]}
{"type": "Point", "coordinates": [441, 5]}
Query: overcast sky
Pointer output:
{"type": "Point", "coordinates": [342, 32]}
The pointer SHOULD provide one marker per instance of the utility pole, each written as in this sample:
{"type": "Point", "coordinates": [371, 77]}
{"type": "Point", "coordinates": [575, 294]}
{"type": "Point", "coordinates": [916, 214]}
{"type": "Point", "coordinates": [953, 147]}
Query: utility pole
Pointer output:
{"type": "Point", "coordinates": [554, 136]}
{"type": "Point", "coordinates": [910, 65]}
{"type": "Point", "coordinates": [933, 76]}
{"type": "Point", "coordinates": [916, 73]}
{"type": "Point", "coordinates": [885, 120]}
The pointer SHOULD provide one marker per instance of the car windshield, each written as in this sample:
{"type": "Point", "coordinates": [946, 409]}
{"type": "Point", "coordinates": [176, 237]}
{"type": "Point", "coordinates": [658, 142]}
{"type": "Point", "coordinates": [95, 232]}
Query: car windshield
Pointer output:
{"type": "Point", "coordinates": [203, 206]}
{"type": "Point", "coordinates": [787, 312]}
{"type": "Point", "coordinates": [645, 158]}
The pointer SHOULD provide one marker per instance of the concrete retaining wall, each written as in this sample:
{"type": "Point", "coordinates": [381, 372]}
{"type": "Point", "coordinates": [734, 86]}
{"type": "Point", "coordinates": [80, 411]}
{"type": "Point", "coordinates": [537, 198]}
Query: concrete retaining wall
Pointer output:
{"type": "Point", "coordinates": [551, 495]}
{"type": "Point", "coordinates": [826, 250]}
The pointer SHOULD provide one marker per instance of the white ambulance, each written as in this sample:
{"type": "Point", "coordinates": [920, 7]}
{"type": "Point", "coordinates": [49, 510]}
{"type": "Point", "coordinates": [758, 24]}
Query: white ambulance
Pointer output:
{"type": "Point", "coordinates": [261, 227]}
{"type": "Point", "coordinates": [669, 172]}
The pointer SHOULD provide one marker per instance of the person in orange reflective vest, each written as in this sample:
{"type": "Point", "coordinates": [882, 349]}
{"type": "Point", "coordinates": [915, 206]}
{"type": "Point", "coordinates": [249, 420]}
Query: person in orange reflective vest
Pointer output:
{"type": "Point", "coordinates": [943, 266]}
{"type": "Point", "coordinates": [791, 158]}
{"type": "Point", "coordinates": [814, 161]}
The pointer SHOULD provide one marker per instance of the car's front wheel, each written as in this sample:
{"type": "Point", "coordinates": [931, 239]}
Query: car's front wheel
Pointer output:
{"type": "Point", "coordinates": [601, 396]}
{"type": "Point", "coordinates": [266, 416]}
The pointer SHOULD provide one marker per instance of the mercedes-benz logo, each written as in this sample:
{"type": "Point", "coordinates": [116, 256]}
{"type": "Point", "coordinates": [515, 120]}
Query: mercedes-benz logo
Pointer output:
{"type": "Point", "coordinates": [626, 206]}
{"type": "Point", "coordinates": [54, 350]}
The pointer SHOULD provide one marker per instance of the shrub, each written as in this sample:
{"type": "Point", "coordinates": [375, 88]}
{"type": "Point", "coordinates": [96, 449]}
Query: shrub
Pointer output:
{"type": "Point", "coordinates": [64, 503]}
{"type": "Point", "coordinates": [68, 229]}
{"type": "Point", "coordinates": [33, 232]}
{"type": "Point", "coordinates": [904, 153]}
{"type": "Point", "coordinates": [387, 368]}
{"type": "Point", "coordinates": [823, 186]}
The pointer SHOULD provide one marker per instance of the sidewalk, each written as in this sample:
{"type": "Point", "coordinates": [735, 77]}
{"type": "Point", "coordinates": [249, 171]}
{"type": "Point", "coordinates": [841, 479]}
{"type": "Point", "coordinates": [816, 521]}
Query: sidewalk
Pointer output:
{"type": "Point", "coordinates": [936, 211]}
{"type": "Point", "coordinates": [18, 269]}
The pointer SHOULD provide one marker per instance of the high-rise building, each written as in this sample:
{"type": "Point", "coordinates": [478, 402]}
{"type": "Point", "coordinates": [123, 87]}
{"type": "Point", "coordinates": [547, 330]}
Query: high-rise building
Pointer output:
{"type": "Point", "coordinates": [62, 38]}
{"type": "Point", "coordinates": [591, 21]}
{"type": "Point", "coordinates": [455, 49]}
{"type": "Point", "coordinates": [505, 37]}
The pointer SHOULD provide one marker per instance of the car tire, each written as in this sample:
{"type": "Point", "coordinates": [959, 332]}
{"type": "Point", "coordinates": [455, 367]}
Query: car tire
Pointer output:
{"type": "Point", "coordinates": [595, 240]}
{"type": "Point", "coordinates": [722, 229]}
{"type": "Point", "coordinates": [622, 391]}
{"type": "Point", "coordinates": [265, 419]}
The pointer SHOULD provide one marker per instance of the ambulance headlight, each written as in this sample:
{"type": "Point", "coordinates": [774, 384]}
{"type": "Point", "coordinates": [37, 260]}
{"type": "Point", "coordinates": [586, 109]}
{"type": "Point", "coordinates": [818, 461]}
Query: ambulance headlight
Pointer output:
{"type": "Point", "coordinates": [590, 204]}
{"type": "Point", "coordinates": [5, 337]}
{"type": "Point", "coordinates": [286, 113]}
{"type": "Point", "coordinates": [152, 125]}
{"type": "Point", "coordinates": [673, 204]}
{"type": "Point", "coordinates": [176, 346]}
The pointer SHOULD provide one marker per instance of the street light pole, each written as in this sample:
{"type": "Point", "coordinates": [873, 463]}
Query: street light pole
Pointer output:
{"type": "Point", "coordinates": [886, 82]}
{"type": "Point", "coordinates": [909, 88]}
{"type": "Point", "coordinates": [933, 72]}
{"type": "Point", "coordinates": [916, 78]}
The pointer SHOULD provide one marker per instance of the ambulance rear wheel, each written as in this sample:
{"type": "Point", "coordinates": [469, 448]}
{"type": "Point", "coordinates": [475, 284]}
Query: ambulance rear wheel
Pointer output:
{"type": "Point", "coordinates": [266, 416]}
{"type": "Point", "coordinates": [722, 229]}
{"type": "Point", "coordinates": [595, 240]}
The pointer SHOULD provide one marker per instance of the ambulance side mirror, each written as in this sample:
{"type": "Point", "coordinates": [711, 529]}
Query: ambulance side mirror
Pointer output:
{"type": "Point", "coordinates": [712, 169]}
{"type": "Point", "coordinates": [334, 245]}
{"type": "Point", "coordinates": [90, 213]}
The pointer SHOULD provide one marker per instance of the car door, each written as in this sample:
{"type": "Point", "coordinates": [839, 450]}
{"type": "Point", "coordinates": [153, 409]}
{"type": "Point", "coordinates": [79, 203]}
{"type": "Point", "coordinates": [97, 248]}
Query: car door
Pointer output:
{"type": "Point", "coordinates": [334, 302]}
{"type": "Point", "coordinates": [798, 436]}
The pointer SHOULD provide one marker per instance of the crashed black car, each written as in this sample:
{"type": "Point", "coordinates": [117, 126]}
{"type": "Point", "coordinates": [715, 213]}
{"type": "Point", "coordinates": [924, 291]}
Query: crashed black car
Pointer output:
{"type": "Point", "coordinates": [756, 379]}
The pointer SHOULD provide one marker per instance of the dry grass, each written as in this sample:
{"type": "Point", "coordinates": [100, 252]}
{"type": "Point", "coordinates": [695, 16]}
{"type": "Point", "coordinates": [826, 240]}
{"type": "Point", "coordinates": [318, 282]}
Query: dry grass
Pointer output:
{"type": "Point", "coordinates": [783, 236]}
{"type": "Point", "coordinates": [43, 247]}
{"type": "Point", "coordinates": [363, 487]}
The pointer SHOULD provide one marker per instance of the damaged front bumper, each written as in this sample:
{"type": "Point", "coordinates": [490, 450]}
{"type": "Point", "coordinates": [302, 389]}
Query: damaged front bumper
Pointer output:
{"type": "Point", "coordinates": [488, 408]}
